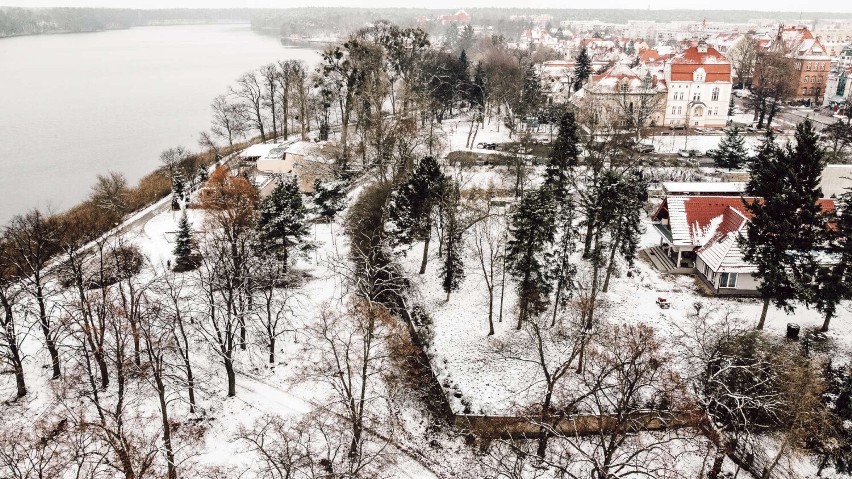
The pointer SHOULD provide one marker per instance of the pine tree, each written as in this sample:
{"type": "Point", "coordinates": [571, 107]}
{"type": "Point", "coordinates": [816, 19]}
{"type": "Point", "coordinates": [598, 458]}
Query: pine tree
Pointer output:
{"type": "Point", "coordinates": [806, 164]}
{"type": "Point", "coordinates": [631, 192]}
{"type": "Point", "coordinates": [582, 69]}
{"type": "Point", "coordinates": [282, 222]}
{"type": "Point", "coordinates": [563, 270]}
{"type": "Point", "coordinates": [413, 203]}
{"type": "Point", "coordinates": [329, 199]}
{"type": "Point", "coordinates": [528, 252]}
{"type": "Point", "coordinates": [564, 156]}
{"type": "Point", "coordinates": [177, 190]}
{"type": "Point", "coordinates": [452, 266]}
{"type": "Point", "coordinates": [732, 153]}
{"type": "Point", "coordinates": [786, 224]}
{"type": "Point", "coordinates": [832, 284]}
{"type": "Point", "coordinates": [477, 94]}
{"type": "Point", "coordinates": [731, 106]}
{"type": "Point", "coordinates": [183, 245]}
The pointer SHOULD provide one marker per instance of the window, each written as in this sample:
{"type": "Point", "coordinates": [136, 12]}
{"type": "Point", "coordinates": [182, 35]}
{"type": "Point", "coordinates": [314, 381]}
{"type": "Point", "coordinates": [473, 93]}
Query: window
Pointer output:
{"type": "Point", "coordinates": [699, 112]}
{"type": "Point", "coordinates": [696, 96]}
{"type": "Point", "coordinates": [819, 79]}
{"type": "Point", "coordinates": [808, 66]}
{"type": "Point", "coordinates": [804, 91]}
{"type": "Point", "coordinates": [728, 280]}
{"type": "Point", "coordinates": [624, 87]}
{"type": "Point", "coordinates": [715, 95]}
{"type": "Point", "coordinates": [674, 109]}
{"type": "Point", "coordinates": [812, 79]}
{"type": "Point", "coordinates": [679, 111]}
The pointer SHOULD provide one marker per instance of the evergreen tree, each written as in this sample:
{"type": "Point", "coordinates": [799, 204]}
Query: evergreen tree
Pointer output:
{"type": "Point", "coordinates": [731, 106]}
{"type": "Point", "coordinates": [631, 48]}
{"type": "Point", "coordinates": [732, 153]}
{"type": "Point", "coordinates": [582, 69]}
{"type": "Point", "coordinates": [282, 222]}
{"type": "Point", "coordinates": [477, 94]}
{"type": "Point", "coordinates": [413, 203]}
{"type": "Point", "coordinates": [630, 193]}
{"type": "Point", "coordinates": [786, 224]}
{"type": "Point", "coordinates": [183, 245]}
{"type": "Point", "coordinates": [177, 190]}
{"type": "Point", "coordinates": [528, 252]}
{"type": "Point", "coordinates": [832, 284]}
{"type": "Point", "coordinates": [563, 270]}
{"type": "Point", "coordinates": [564, 156]}
{"type": "Point", "coordinates": [329, 199]}
{"type": "Point", "coordinates": [805, 163]}
{"type": "Point", "coordinates": [452, 266]}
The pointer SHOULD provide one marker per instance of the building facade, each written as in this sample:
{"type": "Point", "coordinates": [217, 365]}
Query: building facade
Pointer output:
{"type": "Point", "coordinates": [699, 88]}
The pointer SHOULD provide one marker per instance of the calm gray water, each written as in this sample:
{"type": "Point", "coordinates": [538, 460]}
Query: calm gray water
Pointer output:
{"type": "Point", "coordinates": [73, 106]}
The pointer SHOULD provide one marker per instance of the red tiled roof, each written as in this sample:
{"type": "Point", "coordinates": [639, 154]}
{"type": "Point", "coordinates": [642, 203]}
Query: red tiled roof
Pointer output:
{"type": "Point", "coordinates": [683, 65]}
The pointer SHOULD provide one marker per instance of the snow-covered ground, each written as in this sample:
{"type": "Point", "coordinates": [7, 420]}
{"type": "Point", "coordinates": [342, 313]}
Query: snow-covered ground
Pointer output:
{"type": "Point", "coordinates": [465, 358]}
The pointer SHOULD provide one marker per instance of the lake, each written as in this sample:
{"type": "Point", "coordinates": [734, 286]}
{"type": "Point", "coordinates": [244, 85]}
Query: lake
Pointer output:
{"type": "Point", "coordinates": [73, 106]}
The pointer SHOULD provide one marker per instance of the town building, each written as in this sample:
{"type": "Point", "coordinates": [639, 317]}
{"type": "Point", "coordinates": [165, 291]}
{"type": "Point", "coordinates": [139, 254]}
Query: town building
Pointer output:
{"type": "Point", "coordinates": [459, 17]}
{"type": "Point", "coordinates": [700, 235]}
{"type": "Point", "coordinates": [623, 97]}
{"type": "Point", "coordinates": [699, 88]}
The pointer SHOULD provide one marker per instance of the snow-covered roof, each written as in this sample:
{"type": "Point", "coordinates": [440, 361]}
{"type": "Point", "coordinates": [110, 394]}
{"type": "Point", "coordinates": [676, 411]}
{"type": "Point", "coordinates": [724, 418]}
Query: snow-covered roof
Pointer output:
{"type": "Point", "coordinates": [836, 180]}
{"type": "Point", "coordinates": [683, 187]}
{"type": "Point", "coordinates": [309, 151]}
{"type": "Point", "coordinates": [722, 252]}
{"type": "Point", "coordinates": [261, 150]}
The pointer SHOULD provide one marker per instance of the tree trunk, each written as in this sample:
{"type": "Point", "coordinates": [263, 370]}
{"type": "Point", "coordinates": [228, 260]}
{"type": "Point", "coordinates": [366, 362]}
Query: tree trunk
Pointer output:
{"type": "Point", "coordinates": [763, 312]}
{"type": "Point", "coordinates": [425, 250]}
{"type": "Point", "coordinates": [610, 266]}
{"type": "Point", "coordinates": [272, 349]}
{"type": "Point", "coordinates": [167, 434]}
{"type": "Point", "coordinates": [587, 245]}
{"type": "Point", "coordinates": [716, 468]}
{"type": "Point", "coordinates": [48, 339]}
{"type": "Point", "coordinates": [825, 323]}
{"type": "Point", "coordinates": [232, 377]}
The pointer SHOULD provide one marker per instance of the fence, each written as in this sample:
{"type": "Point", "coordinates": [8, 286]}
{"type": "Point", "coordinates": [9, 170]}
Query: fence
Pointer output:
{"type": "Point", "coordinates": [577, 425]}
{"type": "Point", "coordinates": [754, 459]}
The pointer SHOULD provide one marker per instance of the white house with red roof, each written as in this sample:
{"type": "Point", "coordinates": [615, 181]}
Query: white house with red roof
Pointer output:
{"type": "Point", "coordinates": [699, 88]}
{"type": "Point", "coordinates": [700, 235]}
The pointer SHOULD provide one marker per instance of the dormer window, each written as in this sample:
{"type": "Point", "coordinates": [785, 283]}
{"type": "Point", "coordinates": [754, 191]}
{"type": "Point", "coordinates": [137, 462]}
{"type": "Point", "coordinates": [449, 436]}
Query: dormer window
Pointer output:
{"type": "Point", "coordinates": [624, 87]}
{"type": "Point", "coordinates": [699, 75]}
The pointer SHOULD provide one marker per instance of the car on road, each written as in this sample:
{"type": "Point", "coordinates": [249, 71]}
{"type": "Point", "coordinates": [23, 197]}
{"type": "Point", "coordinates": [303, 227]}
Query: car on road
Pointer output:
{"type": "Point", "coordinates": [644, 148]}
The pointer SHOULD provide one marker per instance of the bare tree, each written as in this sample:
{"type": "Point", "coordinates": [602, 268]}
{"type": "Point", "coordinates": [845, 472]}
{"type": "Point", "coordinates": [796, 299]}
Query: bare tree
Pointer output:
{"type": "Point", "coordinates": [11, 336]}
{"type": "Point", "coordinates": [269, 75]}
{"type": "Point", "coordinates": [551, 351]}
{"type": "Point", "coordinates": [488, 243]}
{"type": "Point", "coordinates": [743, 55]}
{"type": "Point", "coordinates": [347, 353]}
{"type": "Point", "coordinates": [274, 301]}
{"type": "Point", "coordinates": [250, 92]}
{"type": "Point", "coordinates": [176, 309]}
{"type": "Point", "coordinates": [229, 119]}
{"type": "Point", "coordinates": [631, 387]}
{"type": "Point", "coordinates": [30, 242]}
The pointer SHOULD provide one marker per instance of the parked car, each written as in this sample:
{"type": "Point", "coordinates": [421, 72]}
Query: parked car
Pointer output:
{"type": "Point", "coordinates": [644, 148]}
{"type": "Point", "coordinates": [486, 146]}
{"type": "Point", "coordinates": [689, 153]}
{"type": "Point", "coordinates": [712, 152]}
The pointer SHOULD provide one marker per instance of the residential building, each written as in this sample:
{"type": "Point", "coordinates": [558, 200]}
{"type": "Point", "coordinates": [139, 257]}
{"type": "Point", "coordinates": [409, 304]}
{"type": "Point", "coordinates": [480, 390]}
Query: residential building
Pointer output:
{"type": "Point", "coordinates": [459, 17]}
{"type": "Point", "coordinates": [623, 97]}
{"type": "Point", "coordinates": [307, 160]}
{"type": "Point", "coordinates": [700, 235]}
{"type": "Point", "coordinates": [699, 88]}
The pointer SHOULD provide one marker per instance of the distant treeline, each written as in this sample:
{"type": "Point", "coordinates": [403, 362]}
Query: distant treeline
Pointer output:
{"type": "Point", "coordinates": [35, 21]}
{"type": "Point", "coordinates": [307, 22]}
{"type": "Point", "coordinates": [318, 21]}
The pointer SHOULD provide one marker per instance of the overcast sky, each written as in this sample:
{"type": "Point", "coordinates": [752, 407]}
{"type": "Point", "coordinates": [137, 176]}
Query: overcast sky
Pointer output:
{"type": "Point", "coordinates": [768, 5]}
